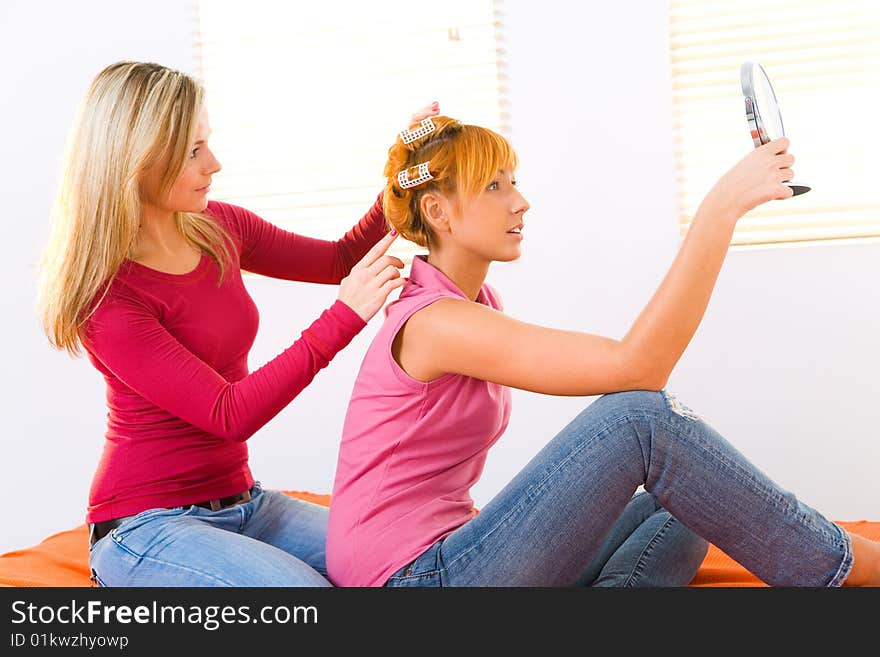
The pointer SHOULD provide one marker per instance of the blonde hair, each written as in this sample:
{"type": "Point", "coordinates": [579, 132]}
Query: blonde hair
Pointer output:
{"type": "Point", "coordinates": [135, 114]}
{"type": "Point", "coordinates": [463, 160]}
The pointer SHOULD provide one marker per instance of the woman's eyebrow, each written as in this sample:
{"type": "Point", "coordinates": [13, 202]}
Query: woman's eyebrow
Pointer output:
{"type": "Point", "coordinates": [202, 141]}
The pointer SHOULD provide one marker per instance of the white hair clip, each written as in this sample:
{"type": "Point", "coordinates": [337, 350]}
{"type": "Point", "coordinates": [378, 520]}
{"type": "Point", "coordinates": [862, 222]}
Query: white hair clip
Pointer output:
{"type": "Point", "coordinates": [424, 176]}
{"type": "Point", "coordinates": [426, 127]}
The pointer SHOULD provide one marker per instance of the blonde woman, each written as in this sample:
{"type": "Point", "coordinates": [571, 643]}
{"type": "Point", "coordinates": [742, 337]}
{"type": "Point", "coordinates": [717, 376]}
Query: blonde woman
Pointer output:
{"type": "Point", "coordinates": [432, 397]}
{"type": "Point", "coordinates": [144, 273]}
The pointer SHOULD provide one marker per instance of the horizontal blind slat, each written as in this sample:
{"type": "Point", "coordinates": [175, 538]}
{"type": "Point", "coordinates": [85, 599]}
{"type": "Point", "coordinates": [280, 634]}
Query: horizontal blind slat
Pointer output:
{"type": "Point", "coordinates": [824, 62]}
{"type": "Point", "coordinates": [305, 99]}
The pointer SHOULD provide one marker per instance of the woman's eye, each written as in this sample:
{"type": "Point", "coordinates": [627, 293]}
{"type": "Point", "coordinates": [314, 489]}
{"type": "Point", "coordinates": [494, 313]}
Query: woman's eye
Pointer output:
{"type": "Point", "coordinates": [493, 185]}
{"type": "Point", "coordinates": [513, 182]}
{"type": "Point", "coordinates": [193, 154]}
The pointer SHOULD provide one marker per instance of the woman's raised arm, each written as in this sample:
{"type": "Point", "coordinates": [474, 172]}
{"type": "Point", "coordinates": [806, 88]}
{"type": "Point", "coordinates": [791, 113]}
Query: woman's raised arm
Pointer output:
{"type": "Point", "coordinates": [474, 340]}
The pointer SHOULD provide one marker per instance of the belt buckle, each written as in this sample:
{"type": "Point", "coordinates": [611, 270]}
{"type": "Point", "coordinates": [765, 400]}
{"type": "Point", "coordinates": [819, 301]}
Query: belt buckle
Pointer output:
{"type": "Point", "coordinates": [217, 504]}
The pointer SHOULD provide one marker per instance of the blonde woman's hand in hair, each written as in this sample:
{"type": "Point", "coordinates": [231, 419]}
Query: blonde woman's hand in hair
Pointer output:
{"type": "Point", "coordinates": [372, 279]}
{"type": "Point", "coordinates": [755, 179]}
{"type": "Point", "coordinates": [428, 110]}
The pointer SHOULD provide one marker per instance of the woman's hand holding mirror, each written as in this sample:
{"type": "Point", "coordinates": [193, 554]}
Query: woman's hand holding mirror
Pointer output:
{"type": "Point", "coordinates": [762, 113]}
{"type": "Point", "coordinates": [759, 177]}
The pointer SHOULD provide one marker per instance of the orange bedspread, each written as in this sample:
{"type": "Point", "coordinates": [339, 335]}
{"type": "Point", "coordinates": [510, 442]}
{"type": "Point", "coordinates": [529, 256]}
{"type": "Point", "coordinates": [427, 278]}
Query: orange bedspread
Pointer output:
{"type": "Point", "coordinates": [62, 559]}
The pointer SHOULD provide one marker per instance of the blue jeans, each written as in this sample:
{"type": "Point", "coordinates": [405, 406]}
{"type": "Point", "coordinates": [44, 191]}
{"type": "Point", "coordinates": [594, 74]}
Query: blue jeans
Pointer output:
{"type": "Point", "coordinates": [272, 540]}
{"type": "Point", "coordinates": [550, 525]}
{"type": "Point", "coordinates": [645, 547]}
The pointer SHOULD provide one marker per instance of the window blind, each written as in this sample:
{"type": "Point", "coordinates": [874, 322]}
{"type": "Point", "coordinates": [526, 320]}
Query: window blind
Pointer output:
{"type": "Point", "coordinates": [304, 99]}
{"type": "Point", "coordinates": [823, 59]}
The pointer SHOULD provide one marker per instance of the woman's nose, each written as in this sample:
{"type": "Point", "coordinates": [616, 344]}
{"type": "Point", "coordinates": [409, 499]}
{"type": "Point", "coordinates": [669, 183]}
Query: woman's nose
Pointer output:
{"type": "Point", "coordinates": [214, 164]}
{"type": "Point", "coordinates": [522, 204]}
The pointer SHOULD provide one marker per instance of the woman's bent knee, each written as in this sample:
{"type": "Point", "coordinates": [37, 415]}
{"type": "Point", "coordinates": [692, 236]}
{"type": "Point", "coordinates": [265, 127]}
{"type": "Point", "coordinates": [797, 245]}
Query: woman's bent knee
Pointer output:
{"type": "Point", "coordinates": [646, 403]}
{"type": "Point", "coordinates": [636, 403]}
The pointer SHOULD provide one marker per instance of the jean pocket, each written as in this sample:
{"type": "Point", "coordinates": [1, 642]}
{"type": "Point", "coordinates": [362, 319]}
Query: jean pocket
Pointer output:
{"type": "Point", "coordinates": [122, 534]}
{"type": "Point", "coordinates": [425, 570]}
{"type": "Point", "coordinates": [429, 579]}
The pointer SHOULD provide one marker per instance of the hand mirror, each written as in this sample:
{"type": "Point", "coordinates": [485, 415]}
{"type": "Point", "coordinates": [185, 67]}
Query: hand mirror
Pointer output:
{"type": "Point", "coordinates": [762, 111]}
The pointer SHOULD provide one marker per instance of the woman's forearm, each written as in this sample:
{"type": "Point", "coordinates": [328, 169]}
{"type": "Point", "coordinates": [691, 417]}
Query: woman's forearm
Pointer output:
{"type": "Point", "coordinates": [665, 327]}
{"type": "Point", "coordinates": [661, 333]}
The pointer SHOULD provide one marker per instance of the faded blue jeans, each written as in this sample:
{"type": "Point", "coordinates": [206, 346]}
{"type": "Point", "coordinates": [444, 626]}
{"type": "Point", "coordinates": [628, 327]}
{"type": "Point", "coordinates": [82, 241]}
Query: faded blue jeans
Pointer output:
{"type": "Point", "coordinates": [551, 524]}
{"type": "Point", "coordinates": [272, 540]}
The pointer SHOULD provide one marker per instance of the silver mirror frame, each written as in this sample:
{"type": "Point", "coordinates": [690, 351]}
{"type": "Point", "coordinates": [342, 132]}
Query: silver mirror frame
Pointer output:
{"type": "Point", "coordinates": [754, 119]}
{"type": "Point", "coordinates": [753, 113]}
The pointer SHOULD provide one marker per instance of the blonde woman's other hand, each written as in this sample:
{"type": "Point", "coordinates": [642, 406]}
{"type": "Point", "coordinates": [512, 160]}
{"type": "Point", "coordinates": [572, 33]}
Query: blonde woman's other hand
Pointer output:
{"type": "Point", "coordinates": [372, 279]}
{"type": "Point", "coordinates": [757, 178]}
{"type": "Point", "coordinates": [428, 110]}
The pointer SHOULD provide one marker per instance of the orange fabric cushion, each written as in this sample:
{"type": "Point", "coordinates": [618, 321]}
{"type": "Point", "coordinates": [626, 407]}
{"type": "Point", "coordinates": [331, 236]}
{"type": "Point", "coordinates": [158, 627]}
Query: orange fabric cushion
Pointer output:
{"type": "Point", "coordinates": [718, 569]}
{"type": "Point", "coordinates": [63, 559]}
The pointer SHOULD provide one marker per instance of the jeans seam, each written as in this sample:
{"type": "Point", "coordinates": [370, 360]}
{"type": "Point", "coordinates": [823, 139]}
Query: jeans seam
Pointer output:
{"type": "Point", "coordinates": [640, 562]}
{"type": "Point", "coordinates": [662, 420]}
{"type": "Point", "coordinates": [722, 461]}
{"type": "Point", "coordinates": [779, 502]}
{"type": "Point", "coordinates": [846, 563]}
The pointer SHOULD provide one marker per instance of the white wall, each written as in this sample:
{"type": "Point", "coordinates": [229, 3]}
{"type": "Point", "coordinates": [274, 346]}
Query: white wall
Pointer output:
{"type": "Point", "coordinates": [53, 407]}
{"type": "Point", "coordinates": [784, 364]}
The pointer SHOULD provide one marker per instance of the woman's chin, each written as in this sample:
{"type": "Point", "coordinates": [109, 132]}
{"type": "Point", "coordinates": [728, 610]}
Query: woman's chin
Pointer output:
{"type": "Point", "coordinates": [510, 256]}
{"type": "Point", "coordinates": [197, 206]}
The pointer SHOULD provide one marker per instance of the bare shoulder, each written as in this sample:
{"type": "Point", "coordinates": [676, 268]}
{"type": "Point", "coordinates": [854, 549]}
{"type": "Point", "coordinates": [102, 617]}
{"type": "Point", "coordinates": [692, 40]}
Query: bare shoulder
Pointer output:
{"type": "Point", "coordinates": [436, 339]}
{"type": "Point", "coordinates": [459, 320]}
{"type": "Point", "coordinates": [442, 314]}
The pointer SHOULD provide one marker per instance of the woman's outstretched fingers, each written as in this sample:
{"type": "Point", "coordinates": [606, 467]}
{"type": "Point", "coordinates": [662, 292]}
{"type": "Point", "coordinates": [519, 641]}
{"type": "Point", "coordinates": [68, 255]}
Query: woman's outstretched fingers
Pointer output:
{"type": "Point", "coordinates": [389, 286]}
{"type": "Point", "coordinates": [389, 273]}
{"type": "Point", "coordinates": [376, 251]}
{"type": "Point", "coordinates": [372, 279]}
{"type": "Point", "coordinates": [383, 262]}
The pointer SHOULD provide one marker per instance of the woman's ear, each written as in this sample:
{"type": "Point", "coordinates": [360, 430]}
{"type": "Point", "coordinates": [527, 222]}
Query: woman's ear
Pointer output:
{"type": "Point", "coordinates": [434, 212]}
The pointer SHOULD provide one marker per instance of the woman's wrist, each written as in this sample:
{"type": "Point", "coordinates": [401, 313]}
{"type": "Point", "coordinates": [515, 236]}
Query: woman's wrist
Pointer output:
{"type": "Point", "coordinates": [717, 209]}
{"type": "Point", "coordinates": [347, 315]}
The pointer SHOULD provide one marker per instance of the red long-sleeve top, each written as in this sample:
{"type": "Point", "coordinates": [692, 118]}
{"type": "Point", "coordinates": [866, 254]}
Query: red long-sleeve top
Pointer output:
{"type": "Point", "coordinates": [173, 351]}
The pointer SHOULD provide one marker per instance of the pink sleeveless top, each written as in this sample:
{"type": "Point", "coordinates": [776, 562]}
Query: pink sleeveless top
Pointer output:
{"type": "Point", "coordinates": [410, 450]}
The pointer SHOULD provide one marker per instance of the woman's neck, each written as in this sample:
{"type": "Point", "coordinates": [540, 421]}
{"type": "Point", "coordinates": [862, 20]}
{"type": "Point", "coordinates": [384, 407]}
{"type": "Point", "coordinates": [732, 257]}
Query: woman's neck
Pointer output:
{"type": "Point", "coordinates": [159, 228]}
{"type": "Point", "coordinates": [467, 272]}
{"type": "Point", "coordinates": [159, 234]}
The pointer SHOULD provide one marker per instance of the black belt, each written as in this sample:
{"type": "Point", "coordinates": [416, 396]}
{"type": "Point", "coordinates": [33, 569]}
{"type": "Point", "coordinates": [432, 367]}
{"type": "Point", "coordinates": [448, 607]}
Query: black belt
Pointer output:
{"type": "Point", "coordinates": [98, 530]}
